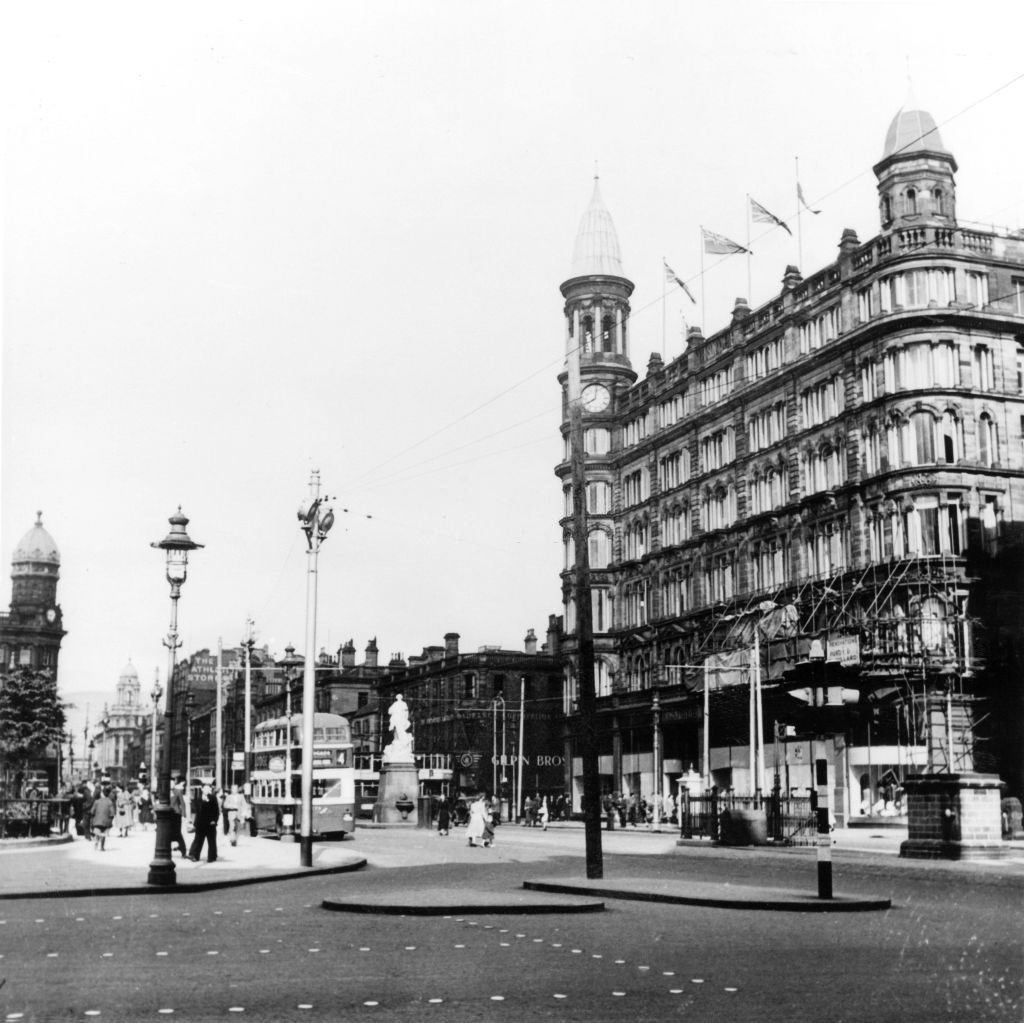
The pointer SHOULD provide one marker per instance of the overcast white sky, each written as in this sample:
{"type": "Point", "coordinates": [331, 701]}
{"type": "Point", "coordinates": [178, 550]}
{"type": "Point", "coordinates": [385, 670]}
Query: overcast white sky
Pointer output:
{"type": "Point", "coordinates": [246, 240]}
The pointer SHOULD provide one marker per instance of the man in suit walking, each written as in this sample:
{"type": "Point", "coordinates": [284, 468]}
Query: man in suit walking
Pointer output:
{"type": "Point", "coordinates": [177, 814]}
{"type": "Point", "coordinates": [206, 820]}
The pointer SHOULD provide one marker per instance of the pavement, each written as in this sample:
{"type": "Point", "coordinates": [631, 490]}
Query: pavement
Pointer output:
{"type": "Point", "coordinates": [50, 868]}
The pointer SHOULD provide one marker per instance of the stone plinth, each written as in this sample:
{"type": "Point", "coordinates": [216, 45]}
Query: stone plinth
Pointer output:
{"type": "Point", "coordinates": [953, 817]}
{"type": "Point", "coordinates": [397, 779]}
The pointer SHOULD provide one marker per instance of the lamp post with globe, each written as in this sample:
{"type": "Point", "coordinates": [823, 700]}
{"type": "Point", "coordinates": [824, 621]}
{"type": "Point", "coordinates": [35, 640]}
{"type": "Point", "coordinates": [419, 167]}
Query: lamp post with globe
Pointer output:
{"type": "Point", "coordinates": [176, 546]}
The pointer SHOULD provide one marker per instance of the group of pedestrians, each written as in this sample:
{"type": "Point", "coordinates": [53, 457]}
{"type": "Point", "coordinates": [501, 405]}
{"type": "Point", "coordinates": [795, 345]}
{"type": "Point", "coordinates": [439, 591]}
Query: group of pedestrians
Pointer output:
{"type": "Point", "coordinates": [99, 809]}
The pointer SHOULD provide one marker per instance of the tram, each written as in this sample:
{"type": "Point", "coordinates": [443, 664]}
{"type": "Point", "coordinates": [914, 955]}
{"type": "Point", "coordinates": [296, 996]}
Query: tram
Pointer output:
{"type": "Point", "coordinates": [276, 791]}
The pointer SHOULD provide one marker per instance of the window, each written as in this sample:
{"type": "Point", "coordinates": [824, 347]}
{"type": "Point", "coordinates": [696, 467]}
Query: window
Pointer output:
{"type": "Point", "coordinates": [768, 565]}
{"type": "Point", "coordinates": [923, 428]}
{"type": "Point", "coordinates": [766, 359]}
{"type": "Point", "coordinates": [600, 550]}
{"type": "Point", "coordinates": [933, 526]}
{"type": "Point", "coordinates": [599, 498]}
{"type": "Point", "coordinates": [634, 431]}
{"type": "Point", "coordinates": [988, 440]}
{"type": "Point", "coordinates": [715, 387]}
{"type": "Point", "coordinates": [984, 369]}
{"type": "Point", "coordinates": [977, 288]}
{"type": "Point", "coordinates": [825, 548]}
{"type": "Point", "coordinates": [915, 289]}
{"type": "Point", "coordinates": [721, 581]}
{"type": "Point", "coordinates": [717, 449]}
{"type": "Point", "coordinates": [634, 487]}
{"type": "Point", "coordinates": [768, 489]}
{"type": "Point", "coordinates": [949, 438]}
{"type": "Point", "coordinates": [718, 508]}
{"type": "Point", "coordinates": [822, 402]}
{"type": "Point", "coordinates": [766, 427]}
{"type": "Point", "coordinates": [635, 540]}
{"type": "Point", "coordinates": [634, 597]}
{"type": "Point", "coordinates": [675, 593]}
{"type": "Point", "coordinates": [671, 411]}
{"type": "Point", "coordinates": [865, 305]}
{"type": "Point", "coordinates": [675, 525]}
{"type": "Point", "coordinates": [600, 610]}
{"type": "Point", "coordinates": [911, 200]}
{"type": "Point", "coordinates": [469, 686]}
{"type": "Point", "coordinates": [819, 331]}
{"type": "Point", "coordinates": [824, 469]}
{"type": "Point", "coordinates": [872, 451]}
{"type": "Point", "coordinates": [868, 389]}
{"type": "Point", "coordinates": [1018, 296]}
{"type": "Point", "coordinates": [938, 201]}
{"type": "Point", "coordinates": [669, 471]}
{"type": "Point", "coordinates": [597, 441]}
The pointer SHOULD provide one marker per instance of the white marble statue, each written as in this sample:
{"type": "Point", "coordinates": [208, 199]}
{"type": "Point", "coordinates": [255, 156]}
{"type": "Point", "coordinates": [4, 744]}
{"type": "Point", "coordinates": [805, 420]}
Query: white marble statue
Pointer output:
{"type": "Point", "coordinates": [400, 747]}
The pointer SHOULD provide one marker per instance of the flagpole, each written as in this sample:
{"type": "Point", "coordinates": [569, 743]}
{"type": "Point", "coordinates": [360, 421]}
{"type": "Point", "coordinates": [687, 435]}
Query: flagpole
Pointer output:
{"type": "Point", "coordinates": [702, 305]}
{"type": "Point", "coordinates": [664, 292]}
{"type": "Point", "coordinates": [750, 296]}
{"type": "Point", "coordinates": [799, 226]}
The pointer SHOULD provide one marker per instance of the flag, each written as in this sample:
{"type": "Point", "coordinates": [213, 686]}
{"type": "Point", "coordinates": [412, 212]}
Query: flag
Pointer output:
{"type": "Point", "coordinates": [670, 276]}
{"type": "Point", "coordinates": [719, 245]}
{"type": "Point", "coordinates": [800, 196]}
{"type": "Point", "coordinates": [762, 216]}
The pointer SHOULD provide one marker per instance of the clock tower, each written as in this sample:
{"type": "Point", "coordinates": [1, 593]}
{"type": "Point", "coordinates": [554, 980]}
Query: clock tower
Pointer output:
{"type": "Point", "coordinates": [31, 633]}
{"type": "Point", "coordinates": [597, 329]}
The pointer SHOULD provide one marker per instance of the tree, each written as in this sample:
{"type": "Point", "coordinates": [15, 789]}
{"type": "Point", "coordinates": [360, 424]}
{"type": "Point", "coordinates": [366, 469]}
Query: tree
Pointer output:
{"type": "Point", "coordinates": [32, 717]}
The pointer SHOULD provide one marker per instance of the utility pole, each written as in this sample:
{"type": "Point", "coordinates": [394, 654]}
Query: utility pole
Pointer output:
{"type": "Point", "coordinates": [584, 625]}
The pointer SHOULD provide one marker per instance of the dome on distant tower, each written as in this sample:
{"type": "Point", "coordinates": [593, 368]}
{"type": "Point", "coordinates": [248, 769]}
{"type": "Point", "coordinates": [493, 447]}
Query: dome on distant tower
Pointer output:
{"type": "Point", "coordinates": [913, 131]}
{"type": "Point", "coordinates": [597, 245]}
{"type": "Point", "coordinates": [128, 673]}
{"type": "Point", "coordinates": [36, 546]}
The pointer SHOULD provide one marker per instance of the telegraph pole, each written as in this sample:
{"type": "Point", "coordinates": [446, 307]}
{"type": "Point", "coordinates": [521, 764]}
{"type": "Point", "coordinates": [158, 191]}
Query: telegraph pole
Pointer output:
{"type": "Point", "coordinates": [584, 626]}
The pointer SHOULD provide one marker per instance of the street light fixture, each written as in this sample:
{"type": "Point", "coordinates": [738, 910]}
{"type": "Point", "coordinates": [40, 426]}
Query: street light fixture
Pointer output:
{"type": "Point", "coordinates": [176, 546]}
{"type": "Point", "coordinates": [494, 747]}
{"type": "Point", "coordinates": [816, 655]}
{"type": "Point", "coordinates": [315, 520]}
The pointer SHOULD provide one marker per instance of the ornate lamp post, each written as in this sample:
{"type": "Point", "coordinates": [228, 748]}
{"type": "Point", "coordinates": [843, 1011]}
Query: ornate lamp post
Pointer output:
{"type": "Point", "coordinates": [176, 546]}
{"type": "Point", "coordinates": [154, 695]}
{"type": "Point", "coordinates": [93, 765]}
{"type": "Point", "coordinates": [315, 521]}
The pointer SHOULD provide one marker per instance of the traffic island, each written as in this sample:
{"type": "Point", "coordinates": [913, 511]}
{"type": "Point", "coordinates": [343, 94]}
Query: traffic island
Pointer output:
{"type": "Point", "coordinates": [445, 902]}
{"type": "Point", "coordinates": [714, 895]}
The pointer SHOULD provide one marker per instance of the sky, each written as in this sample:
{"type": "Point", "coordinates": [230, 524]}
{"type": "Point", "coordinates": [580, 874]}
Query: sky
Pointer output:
{"type": "Point", "coordinates": [244, 241]}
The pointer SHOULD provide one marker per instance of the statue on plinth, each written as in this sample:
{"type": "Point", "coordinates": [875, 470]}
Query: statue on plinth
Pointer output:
{"type": "Point", "coordinates": [399, 750]}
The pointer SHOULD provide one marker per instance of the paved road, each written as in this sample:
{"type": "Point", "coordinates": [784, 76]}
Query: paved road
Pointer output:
{"type": "Point", "coordinates": [948, 950]}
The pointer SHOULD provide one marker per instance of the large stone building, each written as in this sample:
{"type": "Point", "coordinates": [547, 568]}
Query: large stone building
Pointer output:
{"type": "Point", "coordinates": [116, 741]}
{"type": "Point", "coordinates": [844, 463]}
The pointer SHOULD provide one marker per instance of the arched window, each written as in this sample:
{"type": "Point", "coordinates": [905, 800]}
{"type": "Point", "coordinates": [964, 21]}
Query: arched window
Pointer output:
{"type": "Point", "coordinates": [949, 434]}
{"type": "Point", "coordinates": [937, 201]}
{"type": "Point", "coordinates": [923, 429]}
{"type": "Point", "coordinates": [911, 200]}
{"type": "Point", "coordinates": [886, 209]}
{"type": "Point", "coordinates": [988, 441]}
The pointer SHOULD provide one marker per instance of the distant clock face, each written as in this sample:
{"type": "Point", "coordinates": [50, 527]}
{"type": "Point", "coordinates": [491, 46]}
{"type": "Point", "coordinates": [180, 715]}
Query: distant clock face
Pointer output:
{"type": "Point", "coordinates": [596, 397]}
{"type": "Point", "coordinates": [51, 615]}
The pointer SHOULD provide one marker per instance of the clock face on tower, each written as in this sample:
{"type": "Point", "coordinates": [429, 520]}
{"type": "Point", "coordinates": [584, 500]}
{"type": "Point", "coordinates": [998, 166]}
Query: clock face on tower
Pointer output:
{"type": "Point", "coordinates": [51, 616]}
{"type": "Point", "coordinates": [596, 397]}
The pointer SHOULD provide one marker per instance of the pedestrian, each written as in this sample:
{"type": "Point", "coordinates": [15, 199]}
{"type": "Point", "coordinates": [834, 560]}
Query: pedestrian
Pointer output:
{"type": "Point", "coordinates": [145, 807]}
{"type": "Point", "coordinates": [488, 835]}
{"type": "Point", "coordinates": [123, 817]}
{"type": "Point", "coordinates": [477, 820]}
{"type": "Point", "coordinates": [234, 806]}
{"type": "Point", "coordinates": [102, 818]}
{"type": "Point", "coordinates": [544, 814]}
{"type": "Point", "coordinates": [207, 817]}
{"type": "Point", "coordinates": [444, 818]}
{"type": "Point", "coordinates": [177, 816]}
{"type": "Point", "coordinates": [88, 802]}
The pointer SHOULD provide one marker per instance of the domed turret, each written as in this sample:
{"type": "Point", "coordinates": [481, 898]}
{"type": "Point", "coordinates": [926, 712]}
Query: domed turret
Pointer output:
{"type": "Point", "coordinates": [916, 184]}
{"type": "Point", "coordinates": [128, 686]}
{"type": "Point", "coordinates": [36, 547]}
{"type": "Point", "coordinates": [35, 569]}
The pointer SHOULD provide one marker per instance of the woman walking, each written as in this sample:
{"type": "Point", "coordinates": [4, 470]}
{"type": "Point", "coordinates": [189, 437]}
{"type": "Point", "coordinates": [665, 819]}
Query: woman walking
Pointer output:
{"type": "Point", "coordinates": [477, 821]}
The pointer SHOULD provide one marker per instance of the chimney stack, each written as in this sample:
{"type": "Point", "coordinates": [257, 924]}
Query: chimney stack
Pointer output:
{"type": "Point", "coordinates": [371, 654]}
{"type": "Point", "coordinates": [451, 644]}
{"type": "Point", "coordinates": [530, 643]}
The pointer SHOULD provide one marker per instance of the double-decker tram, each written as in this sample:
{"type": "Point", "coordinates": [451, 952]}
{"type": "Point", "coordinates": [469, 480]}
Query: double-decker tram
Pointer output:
{"type": "Point", "coordinates": [276, 792]}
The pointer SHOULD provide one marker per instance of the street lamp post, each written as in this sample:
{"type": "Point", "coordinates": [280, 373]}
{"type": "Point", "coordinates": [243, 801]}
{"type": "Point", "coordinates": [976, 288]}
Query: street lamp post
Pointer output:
{"type": "Point", "coordinates": [248, 644]}
{"type": "Point", "coordinates": [176, 546]}
{"type": "Point", "coordinates": [154, 695]}
{"type": "Point", "coordinates": [92, 765]}
{"type": "Point", "coordinates": [494, 745]}
{"type": "Point", "coordinates": [315, 521]}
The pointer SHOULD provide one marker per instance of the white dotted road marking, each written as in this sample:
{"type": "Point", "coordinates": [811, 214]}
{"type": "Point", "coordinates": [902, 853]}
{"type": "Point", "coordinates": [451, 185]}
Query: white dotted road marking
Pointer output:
{"type": "Point", "coordinates": [213, 952]}
{"type": "Point", "coordinates": [460, 946]}
{"type": "Point", "coordinates": [165, 1012]}
{"type": "Point", "coordinates": [620, 962]}
{"type": "Point", "coordinates": [305, 1005]}
{"type": "Point", "coordinates": [618, 994]}
{"type": "Point", "coordinates": [675, 990]}
{"type": "Point", "coordinates": [371, 1003]}
{"type": "Point", "coordinates": [108, 955]}
{"type": "Point", "coordinates": [435, 1001]}
{"type": "Point", "coordinates": [264, 951]}
{"type": "Point", "coordinates": [497, 998]}
{"type": "Point", "coordinates": [731, 989]}
{"type": "Point", "coordinates": [697, 980]}
{"type": "Point", "coordinates": [161, 953]}
{"type": "Point", "coordinates": [556, 995]}
{"type": "Point", "coordinates": [504, 944]}
{"type": "Point", "coordinates": [314, 950]}
{"type": "Point", "coordinates": [52, 955]}
{"type": "Point", "coordinates": [237, 1008]}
